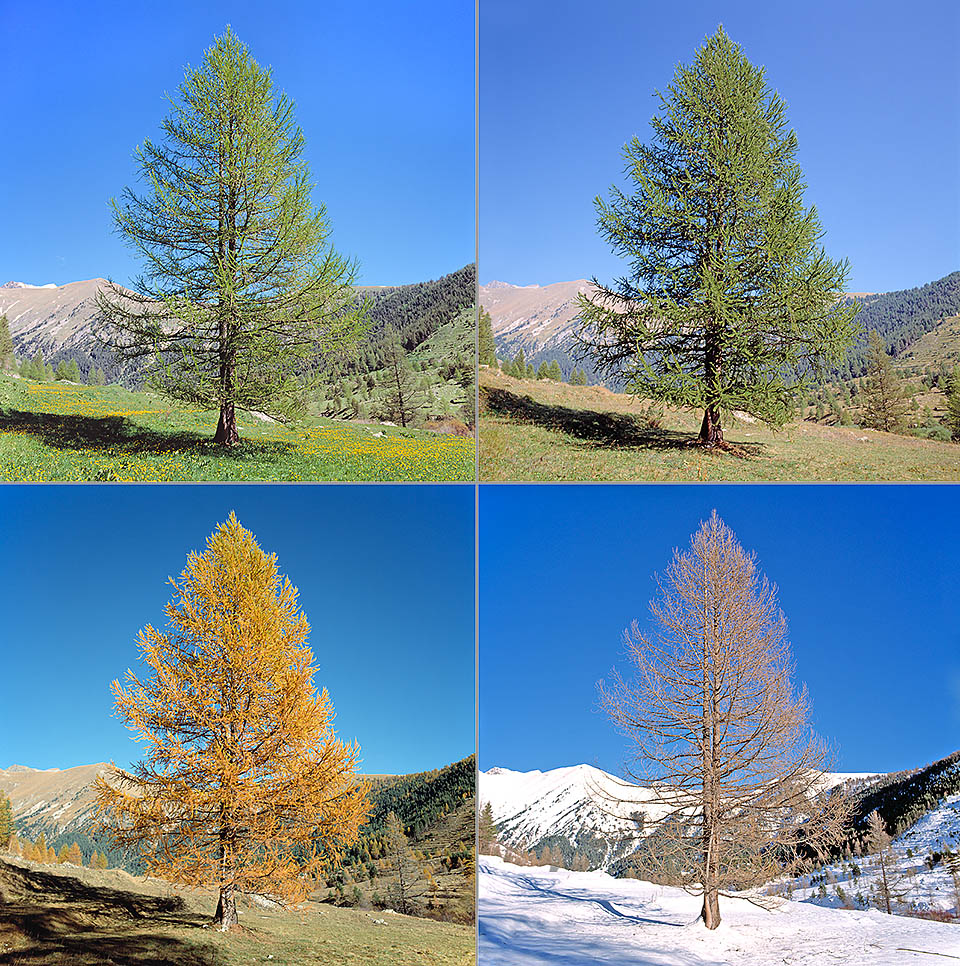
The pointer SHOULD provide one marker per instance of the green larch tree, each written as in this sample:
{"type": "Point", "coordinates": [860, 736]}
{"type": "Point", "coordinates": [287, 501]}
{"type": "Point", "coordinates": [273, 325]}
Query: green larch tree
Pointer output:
{"type": "Point", "coordinates": [487, 831]}
{"type": "Point", "coordinates": [728, 301]}
{"type": "Point", "coordinates": [7, 359]}
{"type": "Point", "coordinates": [885, 399]}
{"type": "Point", "coordinates": [487, 345]}
{"type": "Point", "coordinates": [241, 286]}
{"type": "Point", "coordinates": [953, 405]}
{"type": "Point", "coordinates": [520, 365]}
{"type": "Point", "coordinates": [403, 398]}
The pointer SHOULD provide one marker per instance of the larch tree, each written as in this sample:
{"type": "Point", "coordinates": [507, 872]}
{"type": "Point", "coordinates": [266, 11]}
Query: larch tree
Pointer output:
{"type": "Point", "coordinates": [893, 884]}
{"type": "Point", "coordinates": [718, 733]}
{"type": "Point", "coordinates": [6, 821]}
{"type": "Point", "coordinates": [7, 357]}
{"type": "Point", "coordinates": [953, 405]}
{"type": "Point", "coordinates": [403, 398]}
{"type": "Point", "coordinates": [409, 882]}
{"type": "Point", "coordinates": [885, 399]}
{"type": "Point", "coordinates": [242, 288]}
{"type": "Point", "coordinates": [487, 346]}
{"type": "Point", "coordinates": [728, 303]}
{"type": "Point", "coordinates": [487, 831]}
{"type": "Point", "coordinates": [244, 784]}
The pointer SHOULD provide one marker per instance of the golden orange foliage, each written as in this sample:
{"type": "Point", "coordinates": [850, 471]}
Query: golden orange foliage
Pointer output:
{"type": "Point", "coordinates": [244, 784]}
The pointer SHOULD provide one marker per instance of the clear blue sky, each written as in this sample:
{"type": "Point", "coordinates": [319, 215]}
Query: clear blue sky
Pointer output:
{"type": "Point", "coordinates": [871, 86]}
{"type": "Point", "coordinates": [384, 93]}
{"type": "Point", "coordinates": [386, 579]}
{"type": "Point", "coordinates": [867, 579]}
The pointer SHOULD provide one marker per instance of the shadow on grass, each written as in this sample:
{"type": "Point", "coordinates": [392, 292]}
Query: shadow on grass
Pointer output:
{"type": "Point", "coordinates": [65, 920]}
{"type": "Point", "coordinates": [621, 430]}
{"type": "Point", "coordinates": [71, 431]}
{"type": "Point", "coordinates": [607, 429]}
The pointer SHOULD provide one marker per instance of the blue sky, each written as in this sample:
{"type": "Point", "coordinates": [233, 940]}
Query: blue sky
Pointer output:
{"type": "Point", "coordinates": [386, 579]}
{"type": "Point", "coordinates": [871, 88]}
{"type": "Point", "coordinates": [867, 579]}
{"type": "Point", "coordinates": [384, 94]}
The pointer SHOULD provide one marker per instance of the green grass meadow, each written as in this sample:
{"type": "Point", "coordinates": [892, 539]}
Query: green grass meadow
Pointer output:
{"type": "Point", "coordinates": [62, 431]}
{"type": "Point", "coordinates": [541, 430]}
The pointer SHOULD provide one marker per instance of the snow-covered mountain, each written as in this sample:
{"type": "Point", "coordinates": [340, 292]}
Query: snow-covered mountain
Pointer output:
{"type": "Point", "coordinates": [13, 284]}
{"type": "Point", "coordinates": [594, 812]}
{"type": "Point", "coordinates": [581, 808]}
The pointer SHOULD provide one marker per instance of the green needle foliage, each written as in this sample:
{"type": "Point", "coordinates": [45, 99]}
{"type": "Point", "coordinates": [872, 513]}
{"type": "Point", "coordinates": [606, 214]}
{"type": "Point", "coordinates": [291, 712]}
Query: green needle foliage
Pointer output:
{"type": "Point", "coordinates": [7, 358]}
{"type": "Point", "coordinates": [241, 287]}
{"type": "Point", "coordinates": [729, 302]}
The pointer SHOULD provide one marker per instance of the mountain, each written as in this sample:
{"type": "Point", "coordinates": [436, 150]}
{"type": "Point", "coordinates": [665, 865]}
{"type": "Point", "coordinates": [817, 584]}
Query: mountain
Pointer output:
{"type": "Point", "coordinates": [59, 321]}
{"type": "Point", "coordinates": [541, 319]}
{"type": "Point", "coordinates": [538, 319]}
{"type": "Point", "coordinates": [575, 809]}
{"type": "Point", "coordinates": [53, 801]}
{"type": "Point", "coordinates": [583, 809]}
{"type": "Point", "coordinates": [436, 807]}
{"type": "Point", "coordinates": [50, 317]}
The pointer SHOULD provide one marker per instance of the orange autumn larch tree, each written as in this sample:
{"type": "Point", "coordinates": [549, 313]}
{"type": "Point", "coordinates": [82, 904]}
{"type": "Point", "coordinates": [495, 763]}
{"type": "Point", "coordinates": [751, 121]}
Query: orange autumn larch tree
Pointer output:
{"type": "Point", "coordinates": [244, 784]}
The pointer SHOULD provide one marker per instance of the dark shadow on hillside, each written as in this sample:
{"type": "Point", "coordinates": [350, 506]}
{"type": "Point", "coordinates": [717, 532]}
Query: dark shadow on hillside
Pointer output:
{"type": "Point", "coordinates": [620, 430]}
{"type": "Point", "coordinates": [72, 431]}
{"type": "Point", "coordinates": [607, 429]}
{"type": "Point", "coordinates": [66, 920]}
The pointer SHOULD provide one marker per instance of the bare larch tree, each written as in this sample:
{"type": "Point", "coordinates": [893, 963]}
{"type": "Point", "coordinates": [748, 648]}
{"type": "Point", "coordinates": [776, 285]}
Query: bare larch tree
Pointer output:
{"type": "Point", "coordinates": [718, 731]}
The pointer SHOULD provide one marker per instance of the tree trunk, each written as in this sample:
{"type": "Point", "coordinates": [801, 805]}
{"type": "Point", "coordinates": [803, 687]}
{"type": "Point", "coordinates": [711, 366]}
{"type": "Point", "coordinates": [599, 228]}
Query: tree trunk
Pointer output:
{"type": "Point", "coordinates": [227, 426]}
{"type": "Point", "coordinates": [711, 432]}
{"type": "Point", "coordinates": [226, 916]}
{"type": "Point", "coordinates": [711, 908]}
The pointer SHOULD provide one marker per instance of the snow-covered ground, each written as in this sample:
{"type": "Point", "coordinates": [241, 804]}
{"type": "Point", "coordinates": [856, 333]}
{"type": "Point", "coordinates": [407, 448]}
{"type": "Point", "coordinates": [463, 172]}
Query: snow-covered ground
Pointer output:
{"type": "Point", "coordinates": [925, 888]}
{"type": "Point", "coordinates": [536, 915]}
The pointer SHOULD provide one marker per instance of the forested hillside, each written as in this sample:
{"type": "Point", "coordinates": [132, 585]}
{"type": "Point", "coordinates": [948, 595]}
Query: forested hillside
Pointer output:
{"type": "Point", "coordinates": [415, 312]}
{"type": "Point", "coordinates": [416, 363]}
{"type": "Point", "coordinates": [416, 852]}
{"type": "Point", "coordinates": [902, 798]}
{"type": "Point", "coordinates": [901, 318]}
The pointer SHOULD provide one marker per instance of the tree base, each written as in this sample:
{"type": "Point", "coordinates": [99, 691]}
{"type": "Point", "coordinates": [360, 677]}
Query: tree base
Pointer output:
{"type": "Point", "coordinates": [710, 913]}
{"type": "Point", "coordinates": [711, 432]}
{"type": "Point", "coordinates": [226, 434]}
{"type": "Point", "coordinates": [226, 917]}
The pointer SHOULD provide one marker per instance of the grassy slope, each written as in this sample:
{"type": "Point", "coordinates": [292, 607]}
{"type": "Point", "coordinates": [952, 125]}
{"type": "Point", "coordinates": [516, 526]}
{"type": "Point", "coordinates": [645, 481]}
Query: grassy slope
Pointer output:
{"type": "Point", "coordinates": [588, 433]}
{"type": "Point", "coordinates": [58, 431]}
{"type": "Point", "coordinates": [941, 344]}
{"type": "Point", "coordinates": [440, 397]}
{"type": "Point", "coordinates": [52, 916]}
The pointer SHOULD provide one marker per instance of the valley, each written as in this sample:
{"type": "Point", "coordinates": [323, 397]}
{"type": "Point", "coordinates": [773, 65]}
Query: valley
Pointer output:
{"type": "Point", "coordinates": [70, 411]}
{"type": "Point", "coordinates": [543, 429]}
{"type": "Point", "coordinates": [56, 909]}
